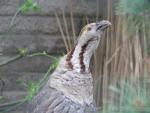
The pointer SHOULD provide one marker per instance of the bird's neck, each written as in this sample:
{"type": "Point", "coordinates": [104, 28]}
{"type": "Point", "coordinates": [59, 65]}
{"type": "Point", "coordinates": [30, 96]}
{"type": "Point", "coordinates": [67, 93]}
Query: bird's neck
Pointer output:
{"type": "Point", "coordinates": [79, 57]}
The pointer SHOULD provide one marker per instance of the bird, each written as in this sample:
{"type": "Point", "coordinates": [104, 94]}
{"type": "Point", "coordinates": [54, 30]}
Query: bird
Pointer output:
{"type": "Point", "coordinates": [70, 87]}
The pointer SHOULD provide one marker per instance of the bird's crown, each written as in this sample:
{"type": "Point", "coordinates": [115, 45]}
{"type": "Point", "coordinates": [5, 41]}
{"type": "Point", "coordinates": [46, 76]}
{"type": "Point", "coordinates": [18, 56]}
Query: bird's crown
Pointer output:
{"type": "Point", "coordinates": [95, 27]}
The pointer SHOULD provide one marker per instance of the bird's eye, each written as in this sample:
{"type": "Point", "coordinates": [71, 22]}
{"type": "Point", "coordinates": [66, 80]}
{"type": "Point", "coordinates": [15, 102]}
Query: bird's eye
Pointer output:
{"type": "Point", "coordinates": [89, 28]}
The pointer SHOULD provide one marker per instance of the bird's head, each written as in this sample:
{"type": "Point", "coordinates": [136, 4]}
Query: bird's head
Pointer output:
{"type": "Point", "coordinates": [79, 57]}
{"type": "Point", "coordinates": [91, 33]}
{"type": "Point", "coordinates": [95, 29]}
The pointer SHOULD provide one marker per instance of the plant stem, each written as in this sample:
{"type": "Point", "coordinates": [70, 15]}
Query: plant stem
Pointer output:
{"type": "Point", "coordinates": [17, 57]}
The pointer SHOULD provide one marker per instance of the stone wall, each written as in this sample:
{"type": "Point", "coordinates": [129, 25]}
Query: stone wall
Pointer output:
{"type": "Point", "coordinates": [36, 31]}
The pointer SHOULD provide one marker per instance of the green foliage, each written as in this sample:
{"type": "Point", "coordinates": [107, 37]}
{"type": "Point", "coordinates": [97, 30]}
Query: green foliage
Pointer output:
{"type": "Point", "coordinates": [135, 99]}
{"type": "Point", "coordinates": [134, 7]}
{"type": "Point", "coordinates": [29, 5]}
{"type": "Point", "coordinates": [32, 90]}
{"type": "Point", "coordinates": [136, 13]}
{"type": "Point", "coordinates": [23, 51]}
{"type": "Point", "coordinates": [32, 87]}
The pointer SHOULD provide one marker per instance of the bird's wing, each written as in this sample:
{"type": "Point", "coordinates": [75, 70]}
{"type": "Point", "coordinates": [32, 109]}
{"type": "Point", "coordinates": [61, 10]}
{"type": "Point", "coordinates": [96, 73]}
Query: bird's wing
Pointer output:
{"type": "Point", "coordinates": [50, 100]}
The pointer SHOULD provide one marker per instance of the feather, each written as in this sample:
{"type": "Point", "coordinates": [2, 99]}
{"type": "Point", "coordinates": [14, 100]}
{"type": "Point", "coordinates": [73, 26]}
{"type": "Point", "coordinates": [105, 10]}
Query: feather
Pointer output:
{"type": "Point", "coordinates": [54, 104]}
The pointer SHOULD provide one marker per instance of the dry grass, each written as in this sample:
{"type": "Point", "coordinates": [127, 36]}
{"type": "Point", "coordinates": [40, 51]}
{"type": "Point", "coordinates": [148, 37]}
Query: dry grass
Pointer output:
{"type": "Point", "coordinates": [120, 56]}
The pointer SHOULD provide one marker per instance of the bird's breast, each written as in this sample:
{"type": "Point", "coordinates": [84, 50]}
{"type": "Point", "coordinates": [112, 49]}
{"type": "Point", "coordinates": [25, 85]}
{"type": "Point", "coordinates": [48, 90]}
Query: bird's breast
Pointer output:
{"type": "Point", "coordinates": [77, 87]}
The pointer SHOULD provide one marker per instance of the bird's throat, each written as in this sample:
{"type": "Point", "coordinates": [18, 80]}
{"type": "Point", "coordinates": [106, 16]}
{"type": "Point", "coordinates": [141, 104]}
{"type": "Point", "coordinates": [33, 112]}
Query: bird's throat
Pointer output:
{"type": "Point", "coordinates": [79, 58]}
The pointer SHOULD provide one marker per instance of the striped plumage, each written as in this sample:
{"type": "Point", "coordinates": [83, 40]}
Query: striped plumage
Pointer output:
{"type": "Point", "coordinates": [69, 89]}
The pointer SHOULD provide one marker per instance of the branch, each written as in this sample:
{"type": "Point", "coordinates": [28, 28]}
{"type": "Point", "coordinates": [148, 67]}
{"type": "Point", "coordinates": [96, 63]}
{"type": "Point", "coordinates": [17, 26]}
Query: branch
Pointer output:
{"type": "Point", "coordinates": [32, 90]}
{"type": "Point", "coordinates": [22, 53]}
{"type": "Point", "coordinates": [42, 54]}
{"type": "Point", "coordinates": [10, 60]}
{"type": "Point", "coordinates": [4, 108]}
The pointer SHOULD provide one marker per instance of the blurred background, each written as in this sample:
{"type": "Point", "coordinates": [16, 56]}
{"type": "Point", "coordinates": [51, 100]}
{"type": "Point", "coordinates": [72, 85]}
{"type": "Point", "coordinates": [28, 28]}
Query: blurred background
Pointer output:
{"type": "Point", "coordinates": [34, 34]}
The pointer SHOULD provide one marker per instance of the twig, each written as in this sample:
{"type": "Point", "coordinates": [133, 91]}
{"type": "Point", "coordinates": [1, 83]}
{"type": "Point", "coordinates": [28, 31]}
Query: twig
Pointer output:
{"type": "Point", "coordinates": [61, 31]}
{"type": "Point", "coordinates": [12, 24]}
{"type": "Point", "coordinates": [42, 54]}
{"type": "Point", "coordinates": [14, 17]}
{"type": "Point", "coordinates": [66, 27]}
{"type": "Point", "coordinates": [23, 53]}
{"type": "Point", "coordinates": [42, 81]}
{"type": "Point", "coordinates": [72, 22]}
{"type": "Point", "coordinates": [4, 108]}
{"type": "Point", "coordinates": [17, 57]}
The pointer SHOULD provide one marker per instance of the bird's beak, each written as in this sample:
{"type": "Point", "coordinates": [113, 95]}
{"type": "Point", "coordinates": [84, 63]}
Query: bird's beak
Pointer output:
{"type": "Point", "coordinates": [102, 25]}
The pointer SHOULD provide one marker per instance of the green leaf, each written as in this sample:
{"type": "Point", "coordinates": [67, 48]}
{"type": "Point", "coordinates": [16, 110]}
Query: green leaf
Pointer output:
{"type": "Point", "coordinates": [32, 90]}
{"type": "Point", "coordinates": [29, 5]}
{"type": "Point", "coordinates": [23, 51]}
